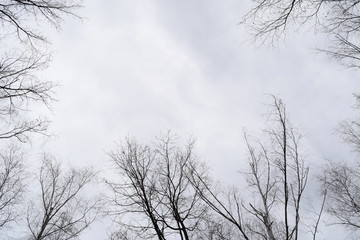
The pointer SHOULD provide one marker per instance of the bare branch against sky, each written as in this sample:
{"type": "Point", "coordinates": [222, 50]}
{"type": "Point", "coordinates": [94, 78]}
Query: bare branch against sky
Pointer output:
{"type": "Point", "coordinates": [141, 67]}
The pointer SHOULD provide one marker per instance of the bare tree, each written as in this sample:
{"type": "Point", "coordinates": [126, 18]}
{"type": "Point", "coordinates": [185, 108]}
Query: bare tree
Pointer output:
{"type": "Point", "coordinates": [225, 202]}
{"type": "Point", "coordinates": [16, 16]}
{"type": "Point", "coordinates": [349, 130]}
{"type": "Point", "coordinates": [155, 186]}
{"type": "Point", "coordinates": [166, 191]}
{"type": "Point", "coordinates": [136, 193]}
{"type": "Point", "coordinates": [217, 229]}
{"type": "Point", "coordinates": [181, 204]}
{"type": "Point", "coordinates": [11, 184]}
{"type": "Point", "coordinates": [63, 213]}
{"type": "Point", "coordinates": [342, 184]}
{"type": "Point", "coordinates": [19, 64]}
{"type": "Point", "coordinates": [62, 210]}
{"type": "Point", "coordinates": [338, 19]}
{"type": "Point", "coordinates": [123, 233]}
{"type": "Point", "coordinates": [278, 176]}
{"type": "Point", "coordinates": [277, 180]}
{"type": "Point", "coordinates": [341, 180]}
{"type": "Point", "coordinates": [20, 87]}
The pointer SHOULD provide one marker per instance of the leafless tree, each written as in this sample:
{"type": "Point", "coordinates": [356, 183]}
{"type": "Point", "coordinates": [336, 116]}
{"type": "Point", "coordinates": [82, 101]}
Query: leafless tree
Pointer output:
{"type": "Point", "coordinates": [277, 180]}
{"type": "Point", "coordinates": [224, 202]}
{"type": "Point", "coordinates": [20, 63]}
{"type": "Point", "coordinates": [349, 130]}
{"type": "Point", "coordinates": [338, 19]}
{"type": "Point", "coordinates": [166, 191]}
{"type": "Point", "coordinates": [341, 180]}
{"type": "Point", "coordinates": [11, 184]}
{"type": "Point", "coordinates": [181, 203]}
{"type": "Point", "coordinates": [19, 87]}
{"type": "Point", "coordinates": [155, 186]}
{"type": "Point", "coordinates": [16, 16]}
{"type": "Point", "coordinates": [61, 210]}
{"type": "Point", "coordinates": [342, 184]}
{"type": "Point", "coordinates": [136, 193]}
{"type": "Point", "coordinates": [278, 176]}
{"type": "Point", "coordinates": [123, 233]}
{"type": "Point", "coordinates": [217, 229]}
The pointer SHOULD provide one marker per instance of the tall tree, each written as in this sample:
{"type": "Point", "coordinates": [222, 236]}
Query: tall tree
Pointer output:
{"type": "Point", "coordinates": [135, 193]}
{"type": "Point", "coordinates": [341, 181]}
{"type": "Point", "coordinates": [276, 179]}
{"type": "Point", "coordinates": [182, 209]}
{"type": "Point", "coordinates": [278, 176]}
{"type": "Point", "coordinates": [155, 191]}
{"type": "Point", "coordinates": [338, 19]}
{"type": "Point", "coordinates": [22, 55]}
{"type": "Point", "coordinates": [61, 210]}
{"type": "Point", "coordinates": [20, 17]}
{"type": "Point", "coordinates": [12, 175]}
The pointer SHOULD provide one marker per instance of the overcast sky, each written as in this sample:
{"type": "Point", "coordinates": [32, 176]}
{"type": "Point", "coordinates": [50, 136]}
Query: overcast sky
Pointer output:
{"type": "Point", "coordinates": [136, 68]}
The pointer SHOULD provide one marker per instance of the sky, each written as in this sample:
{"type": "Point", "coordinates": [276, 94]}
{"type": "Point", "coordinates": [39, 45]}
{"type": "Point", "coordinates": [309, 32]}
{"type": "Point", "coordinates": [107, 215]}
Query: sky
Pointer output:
{"type": "Point", "coordinates": [139, 68]}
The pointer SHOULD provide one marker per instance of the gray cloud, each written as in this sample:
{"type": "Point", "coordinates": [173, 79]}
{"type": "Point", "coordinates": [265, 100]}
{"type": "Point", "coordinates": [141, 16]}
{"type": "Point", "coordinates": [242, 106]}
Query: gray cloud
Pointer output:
{"type": "Point", "coordinates": [139, 67]}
